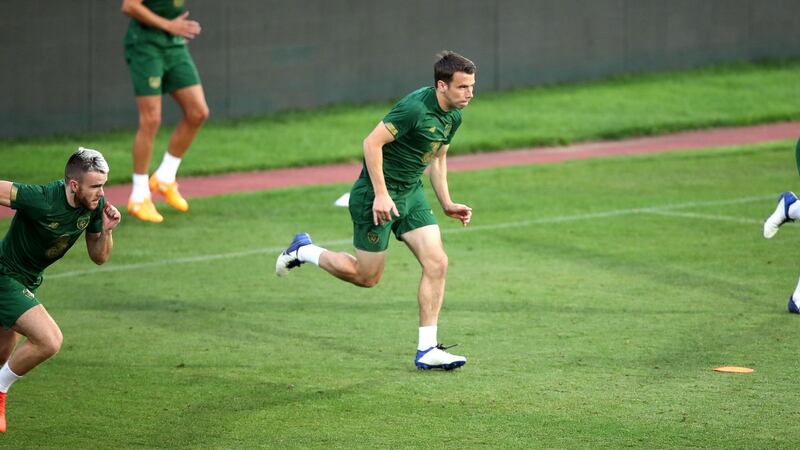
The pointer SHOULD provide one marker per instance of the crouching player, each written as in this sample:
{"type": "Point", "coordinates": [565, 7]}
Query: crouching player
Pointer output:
{"type": "Point", "coordinates": [49, 219]}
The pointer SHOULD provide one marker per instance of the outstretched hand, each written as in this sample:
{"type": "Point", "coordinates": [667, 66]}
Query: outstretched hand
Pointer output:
{"type": "Point", "coordinates": [111, 217]}
{"type": "Point", "coordinates": [460, 212]}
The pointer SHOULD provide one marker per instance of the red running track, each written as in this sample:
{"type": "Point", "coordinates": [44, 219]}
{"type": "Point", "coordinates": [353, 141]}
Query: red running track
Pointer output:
{"type": "Point", "coordinates": [194, 187]}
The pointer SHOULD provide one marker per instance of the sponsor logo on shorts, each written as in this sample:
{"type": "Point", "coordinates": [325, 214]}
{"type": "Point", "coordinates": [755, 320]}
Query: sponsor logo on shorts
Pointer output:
{"type": "Point", "coordinates": [28, 293]}
{"type": "Point", "coordinates": [372, 237]}
{"type": "Point", "coordinates": [154, 82]}
{"type": "Point", "coordinates": [83, 222]}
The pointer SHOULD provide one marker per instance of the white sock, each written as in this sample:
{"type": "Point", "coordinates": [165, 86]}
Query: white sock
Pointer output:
{"type": "Point", "coordinates": [794, 210]}
{"type": "Point", "coordinates": [427, 337]}
{"type": "Point", "coordinates": [7, 378]}
{"type": "Point", "coordinates": [168, 169]}
{"type": "Point", "coordinates": [141, 190]}
{"type": "Point", "coordinates": [796, 295]}
{"type": "Point", "coordinates": [310, 253]}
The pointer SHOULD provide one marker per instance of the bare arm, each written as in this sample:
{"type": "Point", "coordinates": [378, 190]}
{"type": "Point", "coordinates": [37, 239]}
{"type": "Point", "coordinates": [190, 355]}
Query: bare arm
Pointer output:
{"type": "Point", "coordinates": [438, 174]}
{"type": "Point", "coordinates": [383, 206]}
{"type": "Point", "coordinates": [5, 193]}
{"type": "Point", "coordinates": [100, 244]}
{"type": "Point", "coordinates": [179, 26]}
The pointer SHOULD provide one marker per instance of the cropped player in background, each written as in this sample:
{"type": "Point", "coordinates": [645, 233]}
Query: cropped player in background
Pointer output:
{"type": "Point", "coordinates": [388, 197]}
{"type": "Point", "coordinates": [49, 220]}
{"type": "Point", "coordinates": [159, 62]}
{"type": "Point", "coordinates": [788, 210]}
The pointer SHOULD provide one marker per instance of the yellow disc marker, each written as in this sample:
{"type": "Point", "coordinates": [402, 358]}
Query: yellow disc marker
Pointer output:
{"type": "Point", "coordinates": [733, 369]}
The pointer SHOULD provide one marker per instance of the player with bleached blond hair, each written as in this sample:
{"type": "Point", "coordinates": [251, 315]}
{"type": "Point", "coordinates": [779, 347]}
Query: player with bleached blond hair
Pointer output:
{"type": "Point", "coordinates": [49, 219]}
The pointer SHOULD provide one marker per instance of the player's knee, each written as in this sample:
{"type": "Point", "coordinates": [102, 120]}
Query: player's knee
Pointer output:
{"type": "Point", "coordinates": [51, 344]}
{"type": "Point", "coordinates": [198, 115]}
{"type": "Point", "coordinates": [436, 266]}
{"type": "Point", "coordinates": [368, 281]}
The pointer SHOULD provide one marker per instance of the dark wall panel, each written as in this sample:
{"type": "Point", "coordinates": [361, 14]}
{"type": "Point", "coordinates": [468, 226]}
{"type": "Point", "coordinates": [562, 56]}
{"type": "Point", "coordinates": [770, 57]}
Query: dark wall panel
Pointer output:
{"type": "Point", "coordinates": [63, 69]}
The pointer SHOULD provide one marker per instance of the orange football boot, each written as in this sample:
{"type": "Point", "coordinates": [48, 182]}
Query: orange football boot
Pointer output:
{"type": "Point", "coordinates": [2, 412]}
{"type": "Point", "coordinates": [170, 193]}
{"type": "Point", "coordinates": [145, 210]}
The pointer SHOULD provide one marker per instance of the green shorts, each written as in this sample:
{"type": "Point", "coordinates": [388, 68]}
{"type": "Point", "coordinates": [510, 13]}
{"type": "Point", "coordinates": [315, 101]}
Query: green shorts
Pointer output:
{"type": "Point", "coordinates": [156, 70]}
{"type": "Point", "coordinates": [415, 212]}
{"type": "Point", "coordinates": [15, 299]}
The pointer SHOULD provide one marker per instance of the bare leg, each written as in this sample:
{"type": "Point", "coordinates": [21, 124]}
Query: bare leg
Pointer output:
{"type": "Point", "coordinates": [8, 341]}
{"type": "Point", "coordinates": [43, 340]}
{"type": "Point", "coordinates": [364, 269]}
{"type": "Point", "coordinates": [149, 107]}
{"type": "Point", "coordinates": [426, 244]}
{"type": "Point", "coordinates": [192, 101]}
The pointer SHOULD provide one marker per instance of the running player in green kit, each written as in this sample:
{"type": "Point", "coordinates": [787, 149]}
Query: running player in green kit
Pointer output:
{"type": "Point", "coordinates": [49, 220]}
{"type": "Point", "coordinates": [159, 63]}
{"type": "Point", "coordinates": [388, 198]}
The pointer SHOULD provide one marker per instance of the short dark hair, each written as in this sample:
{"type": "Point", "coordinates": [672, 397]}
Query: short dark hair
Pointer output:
{"type": "Point", "coordinates": [82, 161]}
{"type": "Point", "coordinates": [448, 63]}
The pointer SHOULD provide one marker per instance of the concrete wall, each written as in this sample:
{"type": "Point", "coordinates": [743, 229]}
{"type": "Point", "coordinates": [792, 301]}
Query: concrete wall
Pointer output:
{"type": "Point", "coordinates": [63, 69]}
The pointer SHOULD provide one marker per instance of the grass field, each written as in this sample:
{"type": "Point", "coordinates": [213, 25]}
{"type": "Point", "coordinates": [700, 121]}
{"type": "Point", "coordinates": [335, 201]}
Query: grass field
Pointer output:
{"type": "Point", "coordinates": [627, 106]}
{"type": "Point", "coordinates": [592, 299]}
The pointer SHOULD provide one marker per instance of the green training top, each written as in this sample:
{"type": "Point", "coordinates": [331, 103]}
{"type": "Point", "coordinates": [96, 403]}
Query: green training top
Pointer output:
{"type": "Point", "coordinates": [43, 229]}
{"type": "Point", "coordinates": [420, 128]}
{"type": "Point", "coordinates": [141, 33]}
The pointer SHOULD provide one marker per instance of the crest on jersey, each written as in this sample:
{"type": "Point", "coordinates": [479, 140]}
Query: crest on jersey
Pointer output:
{"type": "Point", "coordinates": [83, 222]}
{"type": "Point", "coordinates": [447, 129]}
{"type": "Point", "coordinates": [154, 82]}
{"type": "Point", "coordinates": [372, 237]}
{"type": "Point", "coordinates": [178, 3]}
{"type": "Point", "coordinates": [54, 225]}
{"type": "Point", "coordinates": [432, 130]}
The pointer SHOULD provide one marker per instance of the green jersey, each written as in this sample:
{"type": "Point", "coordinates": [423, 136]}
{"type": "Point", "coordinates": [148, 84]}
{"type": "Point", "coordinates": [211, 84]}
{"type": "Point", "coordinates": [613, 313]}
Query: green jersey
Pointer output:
{"type": "Point", "coordinates": [420, 128]}
{"type": "Point", "coordinates": [142, 33]}
{"type": "Point", "coordinates": [43, 229]}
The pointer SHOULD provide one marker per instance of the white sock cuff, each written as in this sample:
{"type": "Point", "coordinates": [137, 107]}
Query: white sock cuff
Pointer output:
{"type": "Point", "coordinates": [140, 189]}
{"type": "Point", "coordinates": [310, 253]}
{"type": "Point", "coordinates": [7, 377]}
{"type": "Point", "coordinates": [427, 337]}
{"type": "Point", "coordinates": [168, 169]}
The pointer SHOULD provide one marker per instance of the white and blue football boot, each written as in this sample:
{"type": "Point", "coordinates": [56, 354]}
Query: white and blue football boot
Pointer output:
{"type": "Point", "coordinates": [781, 214]}
{"type": "Point", "coordinates": [792, 306]}
{"type": "Point", "coordinates": [438, 358]}
{"type": "Point", "coordinates": [288, 259]}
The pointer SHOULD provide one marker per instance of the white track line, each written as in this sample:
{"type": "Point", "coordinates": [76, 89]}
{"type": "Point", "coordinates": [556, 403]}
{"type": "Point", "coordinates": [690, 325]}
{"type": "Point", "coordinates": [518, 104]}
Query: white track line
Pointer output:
{"type": "Point", "coordinates": [660, 210]}
{"type": "Point", "coordinates": [714, 217]}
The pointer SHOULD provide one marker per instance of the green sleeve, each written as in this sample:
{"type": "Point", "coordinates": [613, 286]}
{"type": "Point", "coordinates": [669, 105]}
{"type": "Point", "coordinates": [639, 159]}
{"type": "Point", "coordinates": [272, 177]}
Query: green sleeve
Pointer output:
{"type": "Point", "coordinates": [28, 199]}
{"type": "Point", "coordinates": [402, 118]}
